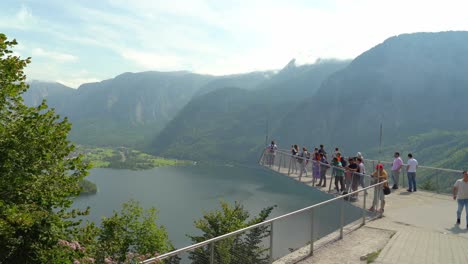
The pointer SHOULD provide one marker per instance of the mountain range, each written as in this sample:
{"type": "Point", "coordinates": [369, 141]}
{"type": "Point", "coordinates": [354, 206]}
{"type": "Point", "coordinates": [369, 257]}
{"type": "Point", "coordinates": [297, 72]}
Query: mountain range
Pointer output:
{"type": "Point", "coordinates": [410, 83]}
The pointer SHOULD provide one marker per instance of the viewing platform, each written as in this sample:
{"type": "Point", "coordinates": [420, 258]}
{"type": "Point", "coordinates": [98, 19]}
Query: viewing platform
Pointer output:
{"type": "Point", "coordinates": [416, 227]}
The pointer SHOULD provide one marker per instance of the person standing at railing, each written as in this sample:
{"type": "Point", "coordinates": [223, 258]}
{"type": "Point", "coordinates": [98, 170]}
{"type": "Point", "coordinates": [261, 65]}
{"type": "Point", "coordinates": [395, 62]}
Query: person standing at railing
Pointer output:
{"type": "Point", "coordinates": [338, 173]}
{"type": "Point", "coordinates": [323, 170]}
{"type": "Point", "coordinates": [353, 169]}
{"type": "Point", "coordinates": [316, 167]}
{"type": "Point", "coordinates": [271, 153]}
{"type": "Point", "coordinates": [335, 153]}
{"type": "Point", "coordinates": [411, 166]}
{"type": "Point", "coordinates": [379, 175]}
{"type": "Point", "coordinates": [322, 151]}
{"type": "Point", "coordinates": [460, 192]}
{"type": "Point", "coordinates": [302, 162]}
{"type": "Point", "coordinates": [396, 167]}
{"type": "Point", "coordinates": [294, 153]}
{"type": "Point", "coordinates": [362, 171]}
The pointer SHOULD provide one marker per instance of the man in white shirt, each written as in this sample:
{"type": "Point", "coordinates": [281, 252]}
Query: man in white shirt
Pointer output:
{"type": "Point", "coordinates": [396, 167]}
{"type": "Point", "coordinates": [411, 172]}
{"type": "Point", "coordinates": [460, 192]}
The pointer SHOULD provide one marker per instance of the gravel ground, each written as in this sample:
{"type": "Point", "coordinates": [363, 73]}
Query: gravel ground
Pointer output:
{"type": "Point", "coordinates": [349, 250]}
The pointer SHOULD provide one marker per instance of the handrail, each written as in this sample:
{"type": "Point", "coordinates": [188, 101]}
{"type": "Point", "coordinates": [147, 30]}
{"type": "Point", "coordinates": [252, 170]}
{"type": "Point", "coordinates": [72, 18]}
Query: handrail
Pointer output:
{"type": "Point", "coordinates": [320, 163]}
{"type": "Point", "coordinates": [420, 166]}
{"type": "Point", "coordinates": [266, 222]}
{"type": "Point", "coordinates": [285, 151]}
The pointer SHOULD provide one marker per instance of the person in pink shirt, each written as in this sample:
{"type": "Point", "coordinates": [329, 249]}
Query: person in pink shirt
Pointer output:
{"type": "Point", "coordinates": [396, 167]}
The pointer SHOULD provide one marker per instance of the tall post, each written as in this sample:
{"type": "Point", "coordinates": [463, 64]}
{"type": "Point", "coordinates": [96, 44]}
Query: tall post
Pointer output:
{"type": "Point", "coordinates": [342, 218]}
{"type": "Point", "coordinates": [279, 163]}
{"type": "Point", "coordinates": [271, 244]}
{"type": "Point", "coordinates": [212, 252]}
{"type": "Point", "coordinates": [364, 208]}
{"type": "Point", "coordinates": [311, 232]}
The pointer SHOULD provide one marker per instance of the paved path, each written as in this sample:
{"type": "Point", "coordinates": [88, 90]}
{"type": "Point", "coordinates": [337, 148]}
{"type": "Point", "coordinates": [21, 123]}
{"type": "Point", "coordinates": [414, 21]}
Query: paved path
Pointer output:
{"type": "Point", "coordinates": [424, 226]}
{"type": "Point", "coordinates": [425, 230]}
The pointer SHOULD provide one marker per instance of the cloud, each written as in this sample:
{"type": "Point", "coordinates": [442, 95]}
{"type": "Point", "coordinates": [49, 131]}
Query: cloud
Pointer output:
{"type": "Point", "coordinates": [52, 55]}
{"type": "Point", "coordinates": [152, 61]}
{"type": "Point", "coordinates": [24, 15]}
{"type": "Point", "coordinates": [217, 37]}
{"type": "Point", "coordinates": [76, 82]}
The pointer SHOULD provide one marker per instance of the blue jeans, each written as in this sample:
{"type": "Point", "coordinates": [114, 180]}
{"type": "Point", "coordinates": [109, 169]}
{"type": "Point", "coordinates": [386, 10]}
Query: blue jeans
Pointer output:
{"type": "Point", "coordinates": [412, 181]}
{"type": "Point", "coordinates": [462, 203]}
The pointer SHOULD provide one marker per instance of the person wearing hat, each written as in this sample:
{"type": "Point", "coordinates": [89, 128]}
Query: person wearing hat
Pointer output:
{"type": "Point", "coordinates": [379, 175]}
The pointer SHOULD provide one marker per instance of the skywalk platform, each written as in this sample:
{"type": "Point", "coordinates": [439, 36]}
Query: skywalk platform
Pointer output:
{"type": "Point", "coordinates": [422, 225]}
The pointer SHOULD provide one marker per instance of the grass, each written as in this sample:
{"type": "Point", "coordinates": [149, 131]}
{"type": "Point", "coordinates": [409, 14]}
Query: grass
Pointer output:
{"type": "Point", "coordinates": [371, 257]}
{"type": "Point", "coordinates": [124, 158]}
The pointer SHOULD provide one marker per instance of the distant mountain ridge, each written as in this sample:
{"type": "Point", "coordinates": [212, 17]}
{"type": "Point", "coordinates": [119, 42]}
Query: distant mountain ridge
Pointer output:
{"type": "Point", "coordinates": [411, 83]}
{"type": "Point", "coordinates": [130, 109]}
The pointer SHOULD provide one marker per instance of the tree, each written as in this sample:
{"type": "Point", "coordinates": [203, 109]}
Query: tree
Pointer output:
{"type": "Point", "coordinates": [132, 233]}
{"type": "Point", "coordinates": [38, 181]}
{"type": "Point", "coordinates": [245, 248]}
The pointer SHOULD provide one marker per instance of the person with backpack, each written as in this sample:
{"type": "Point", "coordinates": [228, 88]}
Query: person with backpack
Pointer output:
{"type": "Point", "coordinates": [379, 175]}
{"type": "Point", "coordinates": [294, 153]}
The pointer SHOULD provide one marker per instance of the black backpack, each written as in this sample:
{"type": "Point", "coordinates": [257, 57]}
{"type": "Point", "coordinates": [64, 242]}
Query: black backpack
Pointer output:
{"type": "Point", "coordinates": [343, 162]}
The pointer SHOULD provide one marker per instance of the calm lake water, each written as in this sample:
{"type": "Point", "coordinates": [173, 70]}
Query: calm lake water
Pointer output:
{"type": "Point", "coordinates": [182, 194]}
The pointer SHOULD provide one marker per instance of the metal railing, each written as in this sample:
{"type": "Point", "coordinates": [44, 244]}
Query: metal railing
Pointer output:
{"type": "Point", "coordinates": [285, 233]}
{"type": "Point", "coordinates": [431, 179]}
{"type": "Point", "coordinates": [438, 180]}
{"type": "Point", "coordinates": [319, 172]}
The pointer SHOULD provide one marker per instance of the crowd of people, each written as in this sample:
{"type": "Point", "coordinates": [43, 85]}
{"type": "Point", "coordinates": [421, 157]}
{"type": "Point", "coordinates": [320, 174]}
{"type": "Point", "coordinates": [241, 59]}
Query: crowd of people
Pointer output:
{"type": "Point", "coordinates": [350, 173]}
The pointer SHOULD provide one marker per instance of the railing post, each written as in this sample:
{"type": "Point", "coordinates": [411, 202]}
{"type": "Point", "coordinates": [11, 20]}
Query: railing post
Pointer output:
{"type": "Point", "coordinates": [364, 208]}
{"type": "Point", "coordinates": [271, 243]}
{"type": "Point", "coordinates": [403, 182]}
{"type": "Point", "coordinates": [212, 253]}
{"type": "Point", "coordinates": [279, 163]}
{"type": "Point", "coordinates": [290, 163]}
{"type": "Point", "coordinates": [342, 218]}
{"type": "Point", "coordinates": [437, 183]}
{"type": "Point", "coordinates": [312, 232]}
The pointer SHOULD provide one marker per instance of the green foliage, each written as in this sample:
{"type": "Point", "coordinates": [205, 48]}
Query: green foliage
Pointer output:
{"type": "Point", "coordinates": [244, 248]}
{"type": "Point", "coordinates": [41, 174]}
{"type": "Point", "coordinates": [87, 187]}
{"type": "Point", "coordinates": [38, 181]}
{"type": "Point", "coordinates": [131, 231]}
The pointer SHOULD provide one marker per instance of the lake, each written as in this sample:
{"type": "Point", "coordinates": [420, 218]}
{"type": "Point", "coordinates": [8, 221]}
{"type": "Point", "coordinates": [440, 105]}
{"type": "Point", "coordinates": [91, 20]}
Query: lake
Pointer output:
{"type": "Point", "coordinates": [182, 194]}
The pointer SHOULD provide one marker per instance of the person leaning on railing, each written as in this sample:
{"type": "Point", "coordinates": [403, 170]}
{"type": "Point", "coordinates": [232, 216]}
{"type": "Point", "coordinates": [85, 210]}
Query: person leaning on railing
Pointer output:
{"type": "Point", "coordinates": [379, 175]}
{"type": "Point", "coordinates": [338, 173]}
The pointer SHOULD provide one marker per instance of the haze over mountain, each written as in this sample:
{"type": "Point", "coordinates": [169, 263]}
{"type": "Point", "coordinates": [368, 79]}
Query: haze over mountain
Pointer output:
{"type": "Point", "coordinates": [411, 83]}
{"type": "Point", "coordinates": [130, 109]}
{"type": "Point", "coordinates": [230, 124]}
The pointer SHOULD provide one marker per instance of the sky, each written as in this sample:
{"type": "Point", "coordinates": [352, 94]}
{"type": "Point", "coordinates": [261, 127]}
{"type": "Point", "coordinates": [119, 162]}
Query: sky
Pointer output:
{"type": "Point", "coordinates": [75, 42]}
